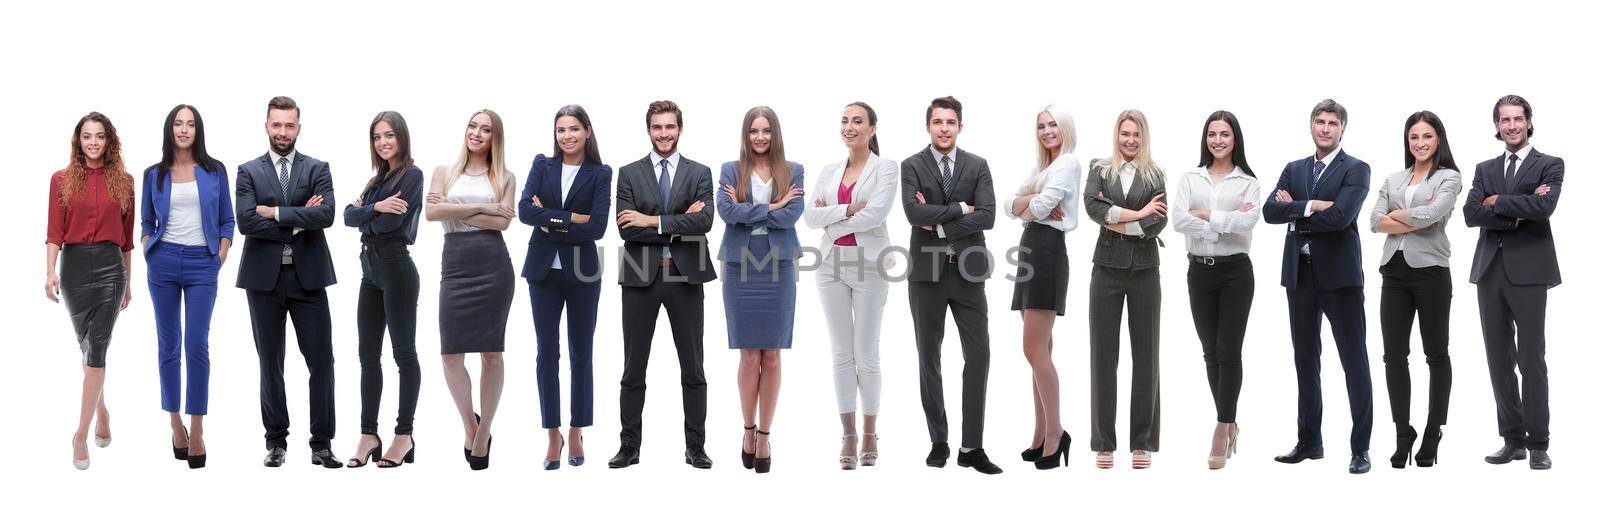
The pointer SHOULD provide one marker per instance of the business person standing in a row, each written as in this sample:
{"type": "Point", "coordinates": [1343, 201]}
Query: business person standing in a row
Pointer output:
{"type": "Point", "coordinates": [186, 222]}
{"type": "Point", "coordinates": [284, 201]}
{"type": "Point", "coordinates": [387, 215]}
{"type": "Point", "coordinates": [1512, 199]}
{"type": "Point", "coordinates": [567, 199]}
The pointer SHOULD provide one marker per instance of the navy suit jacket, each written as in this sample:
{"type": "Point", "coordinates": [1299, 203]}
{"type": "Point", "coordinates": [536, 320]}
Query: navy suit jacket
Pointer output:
{"type": "Point", "coordinates": [216, 206]}
{"type": "Point", "coordinates": [257, 184]}
{"type": "Point", "coordinates": [1332, 234]}
{"type": "Point", "coordinates": [554, 234]}
{"type": "Point", "coordinates": [1518, 226]}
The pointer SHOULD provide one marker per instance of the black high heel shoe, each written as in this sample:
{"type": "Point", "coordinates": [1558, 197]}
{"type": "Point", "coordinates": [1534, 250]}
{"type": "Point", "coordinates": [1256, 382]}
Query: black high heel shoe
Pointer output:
{"type": "Point", "coordinates": [1404, 438]}
{"type": "Point", "coordinates": [1056, 459]}
{"type": "Point", "coordinates": [181, 453]}
{"type": "Point", "coordinates": [1428, 453]}
{"type": "Point", "coordinates": [1032, 454]}
{"type": "Point", "coordinates": [196, 461]}
{"type": "Point", "coordinates": [763, 465]}
{"type": "Point", "coordinates": [411, 456]}
{"type": "Point", "coordinates": [362, 458]}
{"type": "Point", "coordinates": [466, 452]}
{"type": "Point", "coordinates": [749, 458]}
{"type": "Point", "coordinates": [480, 462]}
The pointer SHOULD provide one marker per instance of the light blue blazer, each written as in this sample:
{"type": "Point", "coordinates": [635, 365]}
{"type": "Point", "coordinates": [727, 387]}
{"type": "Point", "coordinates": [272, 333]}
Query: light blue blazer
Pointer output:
{"type": "Point", "coordinates": [742, 218]}
{"type": "Point", "coordinates": [216, 202]}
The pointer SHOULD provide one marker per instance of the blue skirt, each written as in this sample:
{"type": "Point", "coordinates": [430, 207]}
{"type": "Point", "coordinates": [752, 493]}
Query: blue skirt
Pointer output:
{"type": "Point", "coordinates": [758, 299]}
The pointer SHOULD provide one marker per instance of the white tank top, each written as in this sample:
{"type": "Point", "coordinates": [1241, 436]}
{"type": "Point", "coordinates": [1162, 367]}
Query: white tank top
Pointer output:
{"type": "Point", "coordinates": [183, 216]}
{"type": "Point", "coordinates": [468, 189]}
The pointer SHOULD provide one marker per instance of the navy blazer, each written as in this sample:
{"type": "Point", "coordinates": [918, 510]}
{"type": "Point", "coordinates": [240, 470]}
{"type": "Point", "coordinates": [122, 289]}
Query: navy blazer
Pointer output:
{"type": "Point", "coordinates": [1518, 226]}
{"type": "Point", "coordinates": [743, 217]}
{"type": "Point", "coordinates": [1333, 235]}
{"type": "Point", "coordinates": [264, 238]}
{"type": "Point", "coordinates": [554, 234]}
{"type": "Point", "coordinates": [216, 206]}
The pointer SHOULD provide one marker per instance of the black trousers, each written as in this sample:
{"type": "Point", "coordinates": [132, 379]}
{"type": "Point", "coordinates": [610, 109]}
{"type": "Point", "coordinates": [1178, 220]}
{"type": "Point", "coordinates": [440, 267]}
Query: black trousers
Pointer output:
{"type": "Point", "coordinates": [388, 300]}
{"type": "Point", "coordinates": [1513, 336]}
{"type": "Point", "coordinates": [1140, 290]}
{"type": "Point", "coordinates": [313, 328]}
{"type": "Point", "coordinates": [686, 314]}
{"type": "Point", "coordinates": [1424, 294]}
{"type": "Point", "coordinates": [970, 307]}
{"type": "Point", "coordinates": [1345, 308]}
{"type": "Point", "coordinates": [1219, 299]}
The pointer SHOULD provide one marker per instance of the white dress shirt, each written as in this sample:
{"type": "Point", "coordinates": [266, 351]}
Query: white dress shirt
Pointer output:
{"type": "Point", "coordinates": [1229, 229]}
{"type": "Point", "coordinates": [1058, 189]}
{"type": "Point", "coordinates": [1326, 163]}
{"type": "Point", "coordinates": [569, 173]}
{"type": "Point", "coordinates": [1522, 158]}
{"type": "Point", "coordinates": [938, 169]}
{"type": "Point", "coordinates": [760, 190]}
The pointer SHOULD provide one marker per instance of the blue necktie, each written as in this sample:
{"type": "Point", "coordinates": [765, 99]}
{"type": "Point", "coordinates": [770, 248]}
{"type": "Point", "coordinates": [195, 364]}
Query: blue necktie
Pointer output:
{"type": "Point", "coordinates": [666, 185]}
{"type": "Point", "coordinates": [1316, 177]}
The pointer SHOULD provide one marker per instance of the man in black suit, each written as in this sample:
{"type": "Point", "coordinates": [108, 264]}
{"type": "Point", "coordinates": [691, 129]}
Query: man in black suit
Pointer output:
{"type": "Point", "coordinates": [664, 210]}
{"type": "Point", "coordinates": [949, 198]}
{"type": "Point", "coordinates": [1513, 196]}
{"type": "Point", "coordinates": [284, 201]}
{"type": "Point", "coordinates": [1320, 198]}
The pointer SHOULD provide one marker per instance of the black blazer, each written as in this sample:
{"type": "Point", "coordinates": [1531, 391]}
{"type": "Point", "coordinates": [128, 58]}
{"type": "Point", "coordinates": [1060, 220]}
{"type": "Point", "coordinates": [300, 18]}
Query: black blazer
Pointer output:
{"type": "Point", "coordinates": [554, 234]}
{"type": "Point", "coordinates": [1117, 250]}
{"type": "Point", "coordinates": [1518, 225]}
{"type": "Point", "coordinates": [683, 234]}
{"type": "Point", "coordinates": [963, 232]}
{"type": "Point", "coordinates": [257, 184]}
{"type": "Point", "coordinates": [1335, 241]}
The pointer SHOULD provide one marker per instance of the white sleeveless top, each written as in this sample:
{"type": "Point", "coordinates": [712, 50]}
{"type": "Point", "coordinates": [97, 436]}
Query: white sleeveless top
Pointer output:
{"type": "Point", "coordinates": [183, 216]}
{"type": "Point", "coordinates": [468, 189]}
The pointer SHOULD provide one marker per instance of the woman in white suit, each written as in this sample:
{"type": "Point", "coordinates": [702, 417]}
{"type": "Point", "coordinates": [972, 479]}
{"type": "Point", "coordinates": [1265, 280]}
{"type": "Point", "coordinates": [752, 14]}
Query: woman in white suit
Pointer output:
{"type": "Point", "coordinates": [852, 200]}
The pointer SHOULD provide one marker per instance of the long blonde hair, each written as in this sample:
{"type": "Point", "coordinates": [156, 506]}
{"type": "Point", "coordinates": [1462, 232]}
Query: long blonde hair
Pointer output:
{"type": "Point", "coordinates": [1147, 168]}
{"type": "Point", "coordinates": [1069, 143]}
{"type": "Point", "coordinates": [777, 165]}
{"type": "Point", "coordinates": [499, 177]}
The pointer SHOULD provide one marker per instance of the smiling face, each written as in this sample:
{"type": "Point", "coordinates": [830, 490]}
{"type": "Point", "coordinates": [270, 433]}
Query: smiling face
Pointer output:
{"type": "Point", "coordinates": [943, 127]}
{"type": "Point", "coordinates": [760, 135]}
{"type": "Point", "coordinates": [384, 142]}
{"type": "Point", "coordinates": [1513, 124]}
{"type": "Point", "coordinates": [1423, 141]}
{"type": "Point", "coordinates": [480, 134]}
{"type": "Point", "coordinates": [570, 135]}
{"type": "Point", "coordinates": [855, 127]}
{"type": "Point", "coordinates": [1129, 139]}
{"type": "Point", "coordinates": [1327, 131]}
{"type": "Point", "coordinates": [283, 129]}
{"type": "Point", "coordinates": [183, 129]}
{"type": "Point", "coordinates": [1219, 140]}
{"type": "Point", "coordinates": [664, 131]}
{"type": "Point", "coordinates": [1048, 132]}
{"type": "Point", "coordinates": [92, 139]}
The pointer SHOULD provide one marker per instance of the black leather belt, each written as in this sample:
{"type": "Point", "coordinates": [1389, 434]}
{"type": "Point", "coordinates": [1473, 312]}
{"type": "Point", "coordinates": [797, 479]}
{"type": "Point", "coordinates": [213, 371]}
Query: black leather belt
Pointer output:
{"type": "Point", "coordinates": [1218, 260]}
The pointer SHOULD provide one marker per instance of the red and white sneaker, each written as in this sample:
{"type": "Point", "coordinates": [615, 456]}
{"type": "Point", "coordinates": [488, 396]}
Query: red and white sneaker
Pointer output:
{"type": "Point", "coordinates": [1141, 459]}
{"type": "Point", "coordinates": [1103, 459]}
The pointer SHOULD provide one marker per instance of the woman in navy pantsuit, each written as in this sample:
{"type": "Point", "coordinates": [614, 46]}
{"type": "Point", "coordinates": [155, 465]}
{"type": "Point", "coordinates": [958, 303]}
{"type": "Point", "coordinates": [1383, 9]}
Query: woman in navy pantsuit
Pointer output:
{"type": "Point", "coordinates": [760, 199]}
{"type": "Point", "coordinates": [566, 199]}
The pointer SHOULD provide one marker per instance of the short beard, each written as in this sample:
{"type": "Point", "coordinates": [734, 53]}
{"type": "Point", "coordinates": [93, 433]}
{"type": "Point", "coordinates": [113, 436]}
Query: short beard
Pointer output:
{"type": "Point", "coordinates": [282, 150]}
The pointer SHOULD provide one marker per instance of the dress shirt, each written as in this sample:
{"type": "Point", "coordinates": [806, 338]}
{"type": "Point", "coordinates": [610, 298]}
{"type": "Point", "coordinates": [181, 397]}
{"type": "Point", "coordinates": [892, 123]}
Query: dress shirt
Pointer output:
{"type": "Point", "coordinates": [672, 176]}
{"type": "Point", "coordinates": [938, 169]}
{"type": "Point", "coordinates": [1058, 189]}
{"type": "Point", "coordinates": [1229, 229]}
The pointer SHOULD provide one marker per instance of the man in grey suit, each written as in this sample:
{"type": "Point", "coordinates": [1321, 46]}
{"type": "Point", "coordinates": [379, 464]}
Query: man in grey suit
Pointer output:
{"type": "Point", "coordinates": [1513, 196]}
{"type": "Point", "coordinates": [949, 199]}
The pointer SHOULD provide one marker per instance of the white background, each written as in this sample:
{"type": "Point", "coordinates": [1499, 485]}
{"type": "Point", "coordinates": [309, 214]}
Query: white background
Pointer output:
{"type": "Point", "coordinates": [437, 63]}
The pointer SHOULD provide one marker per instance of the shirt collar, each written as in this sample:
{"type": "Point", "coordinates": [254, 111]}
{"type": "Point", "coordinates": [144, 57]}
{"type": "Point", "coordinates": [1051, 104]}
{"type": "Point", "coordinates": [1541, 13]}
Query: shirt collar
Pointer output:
{"type": "Point", "coordinates": [938, 158]}
{"type": "Point", "coordinates": [1522, 154]}
{"type": "Point", "coordinates": [1328, 160]}
{"type": "Point", "coordinates": [276, 157]}
{"type": "Point", "coordinates": [672, 161]}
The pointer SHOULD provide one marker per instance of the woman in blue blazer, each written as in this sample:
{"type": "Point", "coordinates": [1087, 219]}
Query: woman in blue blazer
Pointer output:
{"type": "Point", "coordinates": [187, 227]}
{"type": "Point", "coordinates": [567, 198]}
{"type": "Point", "coordinates": [761, 200]}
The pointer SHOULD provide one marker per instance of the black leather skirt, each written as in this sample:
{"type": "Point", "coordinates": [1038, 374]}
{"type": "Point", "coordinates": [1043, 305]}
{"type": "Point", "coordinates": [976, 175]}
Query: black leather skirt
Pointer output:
{"type": "Point", "coordinates": [93, 279]}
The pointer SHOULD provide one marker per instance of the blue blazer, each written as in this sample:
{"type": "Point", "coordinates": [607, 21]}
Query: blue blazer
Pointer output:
{"type": "Point", "coordinates": [1335, 242]}
{"type": "Point", "coordinates": [554, 234]}
{"type": "Point", "coordinates": [216, 204]}
{"type": "Point", "coordinates": [743, 217]}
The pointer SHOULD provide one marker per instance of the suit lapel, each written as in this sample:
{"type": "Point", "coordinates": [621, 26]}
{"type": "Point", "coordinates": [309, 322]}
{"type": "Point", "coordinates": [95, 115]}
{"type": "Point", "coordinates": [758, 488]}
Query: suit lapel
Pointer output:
{"type": "Point", "coordinates": [584, 177]}
{"type": "Point", "coordinates": [297, 177]}
{"type": "Point", "coordinates": [931, 174]}
{"type": "Point", "coordinates": [272, 178]}
{"type": "Point", "coordinates": [1328, 175]}
{"type": "Point", "coordinates": [1522, 168]}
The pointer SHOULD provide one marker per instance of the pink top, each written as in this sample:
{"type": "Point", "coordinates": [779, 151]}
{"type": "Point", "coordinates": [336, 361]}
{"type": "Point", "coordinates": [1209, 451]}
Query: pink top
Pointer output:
{"type": "Point", "coordinates": [848, 240]}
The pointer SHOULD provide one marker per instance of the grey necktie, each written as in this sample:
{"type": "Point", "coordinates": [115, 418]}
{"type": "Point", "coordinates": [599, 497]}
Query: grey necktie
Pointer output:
{"type": "Point", "coordinates": [944, 181]}
{"type": "Point", "coordinates": [1511, 168]}
{"type": "Point", "coordinates": [1316, 177]}
{"type": "Point", "coordinates": [283, 179]}
{"type": "Point", "coordinates": [666, 186]}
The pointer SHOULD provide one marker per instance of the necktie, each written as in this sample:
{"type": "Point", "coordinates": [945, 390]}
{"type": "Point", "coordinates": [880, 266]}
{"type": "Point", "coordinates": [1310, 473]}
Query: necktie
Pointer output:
{"type": "Point", "coordinates": [944, 181]}
{"type": "Point", "coordinates": [666, 186]}
{"type": "Point", "coordinates": [1511, 169]}
{"type": "Point", "coordinates": [1316, 177]}
{"type": "Point", "coordinates": [283, 179]}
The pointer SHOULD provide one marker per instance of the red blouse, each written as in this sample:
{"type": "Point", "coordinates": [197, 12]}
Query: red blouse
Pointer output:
{"type": "Point", "coordinates": [91, 218]}
{"type": "Point", "coordinates": [848, 240]}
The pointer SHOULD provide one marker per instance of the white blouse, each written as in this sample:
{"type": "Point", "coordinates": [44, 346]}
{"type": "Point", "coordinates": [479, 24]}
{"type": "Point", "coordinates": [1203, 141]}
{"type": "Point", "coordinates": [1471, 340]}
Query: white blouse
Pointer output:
{"type": "Point", "coordinates": [1059, 190]}
{"type": "Point", "coordinates": [760, 190]}
{"type": "Point", "coordinates": [1228, 231]}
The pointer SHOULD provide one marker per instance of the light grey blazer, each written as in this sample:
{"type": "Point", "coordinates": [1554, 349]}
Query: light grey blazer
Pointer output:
{"type": "Point", "coordinates": [1429, 209]}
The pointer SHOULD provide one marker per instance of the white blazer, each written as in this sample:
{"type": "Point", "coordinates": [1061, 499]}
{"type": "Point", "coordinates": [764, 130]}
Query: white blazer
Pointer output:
{"type": "Point", "coordinates": [876, 185]}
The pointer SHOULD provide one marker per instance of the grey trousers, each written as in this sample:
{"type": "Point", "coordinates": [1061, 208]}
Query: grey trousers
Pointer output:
{"type": "Point", "coordinates": [1108, 289]}
{"type": "Point", "coordinates": [966, 300]}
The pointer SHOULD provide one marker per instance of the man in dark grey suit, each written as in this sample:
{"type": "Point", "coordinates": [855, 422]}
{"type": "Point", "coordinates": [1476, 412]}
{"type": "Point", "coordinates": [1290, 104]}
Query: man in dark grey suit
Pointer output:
{"type": "Point", "coordinates": [1513, 196]}
{"type": "Point", "coordinates": [664, 210]}
{"type": "Point", "coordinates": [949, 199]}
{"type": "Point", "coordinates": [284, 201]}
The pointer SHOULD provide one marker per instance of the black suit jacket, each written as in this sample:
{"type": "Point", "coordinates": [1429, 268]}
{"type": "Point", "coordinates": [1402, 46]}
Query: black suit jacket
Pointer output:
{"type": "Point", "coordinates": [554, 234]}
{"type": "Point", "coordinates": [1334, 238]}
{"type": "Point", "coordinates": [257, 184]}
{"type": "Point", "coordinates": [1518, 225]}
{"type": "Point", "coordinates": [963, 232]}
{"type": "Point", "coordinates": [683, 234]}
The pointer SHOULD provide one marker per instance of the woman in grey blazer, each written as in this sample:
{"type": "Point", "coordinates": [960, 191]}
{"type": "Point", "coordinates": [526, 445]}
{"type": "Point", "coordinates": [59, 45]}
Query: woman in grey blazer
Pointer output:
{"type": "Point", "coordinates": [1126, 269]}
{"type": "Point", "coordinates": [1412, 208]}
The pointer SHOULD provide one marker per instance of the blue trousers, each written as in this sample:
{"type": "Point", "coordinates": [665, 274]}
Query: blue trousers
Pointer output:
{"type": "Point", "coordinates": [183, 291]}
{"type": "Point", "coordinates": [562, 290]}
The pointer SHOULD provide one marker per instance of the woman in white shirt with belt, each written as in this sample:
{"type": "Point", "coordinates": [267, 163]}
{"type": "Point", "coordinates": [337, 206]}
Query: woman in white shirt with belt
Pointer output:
{"type": "Point", "coordinates": [852, 200]}
{"type": "Point", "coordinates": [1215, 206]}
{"type": "Point", "coordinates": [1047, 207]}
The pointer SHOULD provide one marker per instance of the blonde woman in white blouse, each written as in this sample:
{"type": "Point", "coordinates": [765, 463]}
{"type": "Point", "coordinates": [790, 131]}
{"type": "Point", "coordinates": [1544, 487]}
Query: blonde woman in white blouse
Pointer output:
{"type": "Point", "coordinates": [852, 200]}
{"type": "Point", "coordinates": [1215, 207]}
{"type": "Point", "coordinates": [1047, 207]}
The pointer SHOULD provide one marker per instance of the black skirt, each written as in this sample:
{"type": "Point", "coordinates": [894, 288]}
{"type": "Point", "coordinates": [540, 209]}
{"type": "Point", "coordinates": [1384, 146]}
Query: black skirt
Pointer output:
{"type": "Point", "coordinates": [1044, 252]}
{"type": "Point", "coordinates": [93, 280]}
{"type": "Point", "coordinates": [476, 284]}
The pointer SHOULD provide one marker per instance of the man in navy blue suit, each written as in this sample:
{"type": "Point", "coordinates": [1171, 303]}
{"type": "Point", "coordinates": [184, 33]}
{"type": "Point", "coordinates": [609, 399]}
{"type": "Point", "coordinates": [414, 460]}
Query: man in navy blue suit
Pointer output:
{"type": "Point", "coordinates": [1320, 198]}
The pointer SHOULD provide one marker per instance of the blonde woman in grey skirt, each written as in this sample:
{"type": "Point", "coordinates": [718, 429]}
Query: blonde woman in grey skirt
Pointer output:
{"type": "Point", "coordinates": [474, 200]}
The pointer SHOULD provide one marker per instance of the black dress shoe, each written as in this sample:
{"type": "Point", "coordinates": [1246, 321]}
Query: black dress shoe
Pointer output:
{"type": "Point", "coordinates": [627, 455]}
{"type": "Point", "coordinates": [696, 457]}
{"type": "Point", "coordinates": [979, 461]}
{"type": "Point", "coordinates": [1360, 463]}
{"type": "Point", "coordinates": [939, 454]}
{"type": "Point", "coordinates": [1301, 453]}
{"type": "Point", "coordinates": [1538, 460]}
{"type": "Point", "coordinates": [275, 457]}
{"type": "Point", "coordinates": [1506, 454]}
{"type": "Point", "coordinates": [325, 458]}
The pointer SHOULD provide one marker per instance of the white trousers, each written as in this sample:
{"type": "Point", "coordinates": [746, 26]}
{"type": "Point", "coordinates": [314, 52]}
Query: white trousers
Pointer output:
{"type": "Point", "coordinates": [854, 294]}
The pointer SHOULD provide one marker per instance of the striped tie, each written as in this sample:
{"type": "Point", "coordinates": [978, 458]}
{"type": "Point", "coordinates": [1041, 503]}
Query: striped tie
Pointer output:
{"type": "Point", "coordinates": [944, 181]}
{"type": "Point", "coordinates": [283, 179]}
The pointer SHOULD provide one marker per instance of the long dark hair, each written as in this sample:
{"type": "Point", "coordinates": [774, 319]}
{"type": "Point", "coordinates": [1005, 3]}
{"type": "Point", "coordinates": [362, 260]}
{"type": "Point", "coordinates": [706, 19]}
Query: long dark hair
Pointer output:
{"type": "Point", "coordinates": [1441, 157]}
{"type": "Point", "coordinates": [1238, 141]}
{"type": "Point", "coordinates": [402, 137]}
{"type": "Point", "coordinates": [872, 120]}
{"type": "Point", "coordinates": [169, 146]}
{"type": "Point", "coordinates": [591, 147]}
